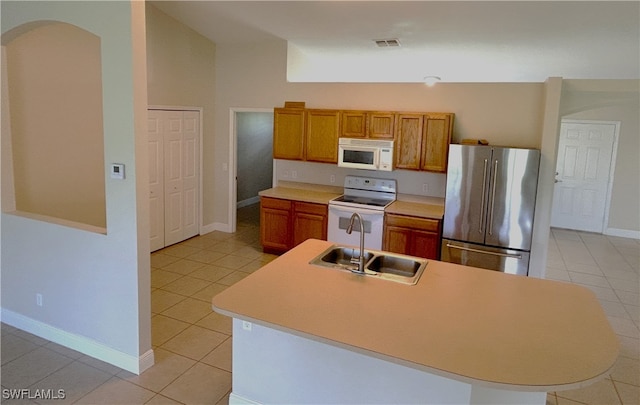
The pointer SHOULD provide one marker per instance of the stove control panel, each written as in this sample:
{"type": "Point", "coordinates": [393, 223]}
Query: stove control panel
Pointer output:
{"type": "Point", "coordinates": [370, 184]}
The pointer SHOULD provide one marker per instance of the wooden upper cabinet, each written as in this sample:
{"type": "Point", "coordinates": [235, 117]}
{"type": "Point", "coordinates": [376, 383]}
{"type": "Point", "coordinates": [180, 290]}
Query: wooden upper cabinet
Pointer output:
{"type": "Point", "coordinates": [408, 141]}
{"type": "Point", "coordinates": [353, 124]}
{"type": "Point", "coordinates": [321, 136]}
{"type": "Point", "coordinates": [436, 140]}
{"type": "Point", "coordinates": [381, 125]}
{"type": "Point", "coordinates": [423, 141]}
{"type": "Point", "coordinates": [367, 124]}
{"type": "Point", "coordinates": [288, 133]}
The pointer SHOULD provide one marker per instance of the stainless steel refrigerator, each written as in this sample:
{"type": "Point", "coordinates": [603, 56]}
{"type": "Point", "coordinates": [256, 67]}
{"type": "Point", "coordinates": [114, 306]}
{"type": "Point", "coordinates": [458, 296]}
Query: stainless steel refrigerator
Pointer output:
{"type": "Point", "coordinates": [489, 205]}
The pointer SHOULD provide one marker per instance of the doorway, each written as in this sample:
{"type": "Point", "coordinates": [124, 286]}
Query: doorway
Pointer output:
{"type": "Point", "coordinates": [174, 176]}
{"type": "Point", "coordinates": [584, 175]}
{"type": "Point", "coordinates": [252, 137]}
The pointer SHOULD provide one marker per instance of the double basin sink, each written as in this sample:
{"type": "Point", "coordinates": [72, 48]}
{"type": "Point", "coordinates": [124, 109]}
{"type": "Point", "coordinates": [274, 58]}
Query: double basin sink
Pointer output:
{"type": "Point", "coordinates": [383, 265]}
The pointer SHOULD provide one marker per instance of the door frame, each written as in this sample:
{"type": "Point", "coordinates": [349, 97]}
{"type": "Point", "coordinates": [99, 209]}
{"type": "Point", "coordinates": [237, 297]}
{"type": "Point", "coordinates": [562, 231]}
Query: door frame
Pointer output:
{"type": "Point", "coordinates": [200, 112]}
{"type": "Point", "coordinates": [612, 166]}
{"type": "Point", "coordinates": [233, 161]}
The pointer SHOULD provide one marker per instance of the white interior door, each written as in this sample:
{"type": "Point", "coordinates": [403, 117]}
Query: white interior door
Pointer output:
{"type": "Point", "coordinates": [173, 193]}
{"type": "Point", "coordinates": [174, 146]}
{"type": "Point", "coordinates": [190, 169]}
{"type": "Point", "coordinates": [583, 175]}
{"type": "Point", "coordinates": [156, 180]}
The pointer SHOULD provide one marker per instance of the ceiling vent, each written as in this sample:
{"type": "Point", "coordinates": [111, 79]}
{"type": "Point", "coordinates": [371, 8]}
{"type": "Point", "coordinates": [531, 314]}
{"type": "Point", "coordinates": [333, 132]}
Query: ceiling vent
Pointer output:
{"type": "Point", "coordinates": [385, 43]}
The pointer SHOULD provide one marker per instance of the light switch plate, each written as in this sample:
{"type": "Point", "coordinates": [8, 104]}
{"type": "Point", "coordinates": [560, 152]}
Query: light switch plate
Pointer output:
{"type": "Point", "coordinates": [117, 171]}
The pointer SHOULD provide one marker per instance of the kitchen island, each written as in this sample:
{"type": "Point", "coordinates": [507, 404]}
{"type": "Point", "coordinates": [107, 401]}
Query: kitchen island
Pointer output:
{"type": "Point", "coordinates": [308, 334]}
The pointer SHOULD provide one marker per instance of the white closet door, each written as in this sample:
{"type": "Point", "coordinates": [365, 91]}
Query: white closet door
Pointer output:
{"type": "Point", "coordinates": [174, 155]}
{"type": "Point", "coordinates": [190, 175]}
{"type": "Point", "coordinates": [156, 180]}
{"type": "Point", "coordinates": [173, 195]}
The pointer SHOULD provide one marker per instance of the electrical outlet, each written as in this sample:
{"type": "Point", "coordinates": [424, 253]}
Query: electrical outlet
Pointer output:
{"type": "Point", "coordinates": [285, 173]}
{"type": "Point", "coordinates": [332, 178]}
{"type": "Point", "coordinates": [39, 299]}
{"type": "Point", "coordinates": [246, 325]}
{"type": "Point", "coordinates": [294, 174]}
{"type": "Point", "coordinates": [425, 188]}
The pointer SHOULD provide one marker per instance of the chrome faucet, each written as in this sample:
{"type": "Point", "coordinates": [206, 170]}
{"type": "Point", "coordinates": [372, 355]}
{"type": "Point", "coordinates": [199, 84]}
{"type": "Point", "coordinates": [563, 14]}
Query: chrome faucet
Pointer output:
{"type": "Point", "coordinates": [360, 259]}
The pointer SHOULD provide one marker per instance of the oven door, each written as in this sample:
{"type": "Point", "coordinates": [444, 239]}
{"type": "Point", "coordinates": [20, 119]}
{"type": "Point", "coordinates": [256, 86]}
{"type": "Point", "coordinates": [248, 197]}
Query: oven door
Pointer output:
{"type": "Point", "coordinates": [339, 217]}
{"type": "Point", "coordinates": [358, 157]}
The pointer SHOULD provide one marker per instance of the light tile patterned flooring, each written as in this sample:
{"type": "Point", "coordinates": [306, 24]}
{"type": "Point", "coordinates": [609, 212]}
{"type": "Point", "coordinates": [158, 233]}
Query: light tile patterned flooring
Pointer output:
{"type": "Point", "coordinates": [610, 267]}
{"type": "Point", "coordinates": [192, 344]}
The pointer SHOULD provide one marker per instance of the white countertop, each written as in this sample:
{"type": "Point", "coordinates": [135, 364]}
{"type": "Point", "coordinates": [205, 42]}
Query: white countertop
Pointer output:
{"type": "Point", "coordinates": [410, 205]}
{"type": "Point", "coordinates": [472, 325]}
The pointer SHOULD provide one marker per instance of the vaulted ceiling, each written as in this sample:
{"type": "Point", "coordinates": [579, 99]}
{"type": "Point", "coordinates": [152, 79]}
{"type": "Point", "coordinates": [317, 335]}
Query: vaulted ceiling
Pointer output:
{"type": "Point", "coordinates": [474, 41]}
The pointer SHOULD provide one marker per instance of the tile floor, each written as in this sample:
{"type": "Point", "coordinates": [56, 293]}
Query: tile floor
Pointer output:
{"type": "Point", "coordinates": [192, 344]}
{"type": "Point", "coordinates": [610, 267]}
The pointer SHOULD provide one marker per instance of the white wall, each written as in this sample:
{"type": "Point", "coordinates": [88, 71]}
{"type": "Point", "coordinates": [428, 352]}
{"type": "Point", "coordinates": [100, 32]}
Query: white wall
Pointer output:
{"type": "Point", "coordinates": [181, 73]}
{"type": "Point", "coordinates": [544, 195]}
{"type": "Point", "coordinates": [409, 181]}
{"type": "Point", "coordinates": [95, 287]}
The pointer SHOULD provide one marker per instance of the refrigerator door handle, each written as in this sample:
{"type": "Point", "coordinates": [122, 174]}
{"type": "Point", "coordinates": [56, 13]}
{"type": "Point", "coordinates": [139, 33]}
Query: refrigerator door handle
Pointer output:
{"type": "Point", "coordinates": [484, 251]}
{"type": "Point", "coordinates": [493, 196]}
{"type": "Point", "coordinates": [484, 182]}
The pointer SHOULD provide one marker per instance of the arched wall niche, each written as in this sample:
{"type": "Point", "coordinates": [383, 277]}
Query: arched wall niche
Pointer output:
{"type": "Point", "coordinates": [54, 96]}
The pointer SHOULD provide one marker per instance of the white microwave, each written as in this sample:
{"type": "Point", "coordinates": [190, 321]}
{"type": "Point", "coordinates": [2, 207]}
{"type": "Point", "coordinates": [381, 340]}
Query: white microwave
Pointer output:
{"type": "Point", "coordinates": [368, 154]}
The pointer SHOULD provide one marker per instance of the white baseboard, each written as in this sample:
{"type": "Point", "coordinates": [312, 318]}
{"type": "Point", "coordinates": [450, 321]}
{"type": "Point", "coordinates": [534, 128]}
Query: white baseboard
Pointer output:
{"type": "Point", "coordinates": [216, 226]}
{"type": "Point", "coordinates": [623, 233]}
{"type": "Point", "coordinates": [81, 344]}
{"type": "Point", "coordinates": [207, 228]}
{"type": "Point", "coordinates": [238, 400]}
{"type": "Point", "coordinates": [146, 361]}
{"type": "Point", "coordinates": [248, 201]}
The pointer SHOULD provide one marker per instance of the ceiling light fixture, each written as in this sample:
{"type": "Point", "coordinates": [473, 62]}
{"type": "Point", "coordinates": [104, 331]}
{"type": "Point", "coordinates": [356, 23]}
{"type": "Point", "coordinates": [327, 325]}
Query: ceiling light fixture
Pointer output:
{"type": "Point", "coordinates": [431, 80]}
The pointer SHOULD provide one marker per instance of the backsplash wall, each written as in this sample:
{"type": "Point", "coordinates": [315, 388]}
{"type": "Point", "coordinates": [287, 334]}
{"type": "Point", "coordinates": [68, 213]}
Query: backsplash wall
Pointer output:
{"type": "Point", "coordinates": [409, 182]}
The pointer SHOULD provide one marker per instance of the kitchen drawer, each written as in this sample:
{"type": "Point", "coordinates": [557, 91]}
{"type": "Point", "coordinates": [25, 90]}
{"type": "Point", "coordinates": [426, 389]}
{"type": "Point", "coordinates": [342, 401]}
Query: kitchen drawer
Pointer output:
{"type": "Point", "coordinates": [310, 208]}
{"type": "Point", "coordinates": [275, 203]}
{"type": "Point", "coordinates": [423, 224]}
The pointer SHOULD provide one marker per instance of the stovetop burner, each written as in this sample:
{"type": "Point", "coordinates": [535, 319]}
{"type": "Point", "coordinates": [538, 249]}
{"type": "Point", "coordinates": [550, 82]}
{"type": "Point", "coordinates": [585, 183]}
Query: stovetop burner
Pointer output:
{"type": "Point", "coordinates": [367, 193]}
{"type": "Point", "coordinates": [376, 202]}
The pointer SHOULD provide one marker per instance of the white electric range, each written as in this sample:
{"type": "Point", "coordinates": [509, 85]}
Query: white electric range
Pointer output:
{"type": "Point", "coordinates": [368, 197]}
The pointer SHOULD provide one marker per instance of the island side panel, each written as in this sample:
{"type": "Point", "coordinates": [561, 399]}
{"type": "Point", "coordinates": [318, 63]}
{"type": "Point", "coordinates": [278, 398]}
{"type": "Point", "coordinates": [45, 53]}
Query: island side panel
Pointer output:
{"type": "Point", "coordinates": [491, 396]}
{"type": "Point", "coordinates": [271, 366]}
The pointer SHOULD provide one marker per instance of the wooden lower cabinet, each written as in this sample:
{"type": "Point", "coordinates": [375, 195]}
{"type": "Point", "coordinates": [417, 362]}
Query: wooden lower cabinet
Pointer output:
{"type": "Point", "coordinates": [285, 224]}
{"type": "Point", "coordinates": [412, 236]}
{"type": "Point", "coordinates": [309, 222]}
{"type": "Point", "coordinates": [275, 224]}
